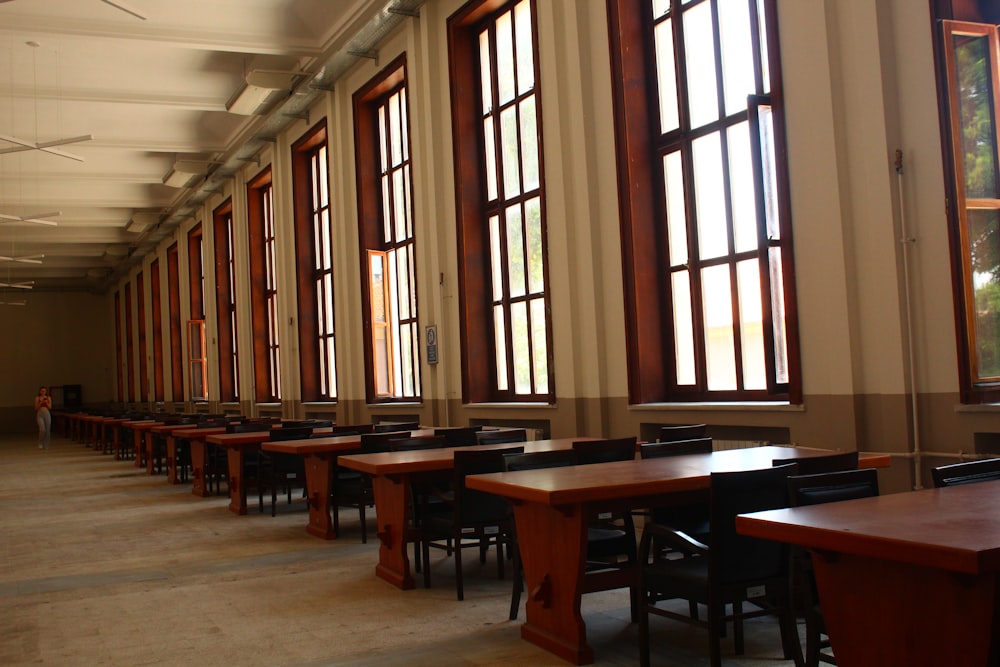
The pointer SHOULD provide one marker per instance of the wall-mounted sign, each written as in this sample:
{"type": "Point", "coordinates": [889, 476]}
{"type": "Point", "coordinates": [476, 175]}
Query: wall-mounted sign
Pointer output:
{"type": "Point", "coordinates": [431, 337]}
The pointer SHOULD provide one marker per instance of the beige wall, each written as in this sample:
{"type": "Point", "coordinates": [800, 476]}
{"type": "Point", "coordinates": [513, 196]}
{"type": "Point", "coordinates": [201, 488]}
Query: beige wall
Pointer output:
{"type": "Point", "coordinates": [55, 339]}
{"type": "Point", "coordinates": [858, 83]}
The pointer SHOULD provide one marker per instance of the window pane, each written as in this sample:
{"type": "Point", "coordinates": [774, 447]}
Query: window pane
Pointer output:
{"type": "Point", "coordinates": [520, 347]}
{"type": "Point", "coordinates": [539, 346]}
{"type": "Point", "coordinates": [699, 50]}
{"type": "Point", "coordinates": [720, 347]}
{"type": "Point", "coordinates": [377, 289]}
{"type": "Point", "coordinates": [673, 174]}
{"type": "Point", "coordinates": [405, 371]}
{"type": "Point", "coordinates": [496, 258]}
{"type": "Point", "coordinates": [536, 263]}
{"type": "Point", "coordinates": [510, 152]}
{"type": "Point", "coordinates": [402, 275]}
{"type": "Point", "coordinates": [710, 196]}
{"type": "Point", "coordinates": [741, 188]}
{"type": "Point", "coordinates": [751, 325]}
{"type": "Point", "coordinates": [404, 125]}
{"type": "Point", "coordinates": [737, 49]}
{"type": "Point", "coordinates": [491, 159]}
{"type": "Point", "coordinates": [770, 172]}
{"type": "Point", "coordinates": [515, 253]}
{"type": "Point", "coordinates": [386, 211]}
{"type": "Point", "coordinates": [486, 94]}
{"type": "Point", "coordinates": [331, 369]}
{"type": "Point", "coordinates": [500, 351]}
{"type": "Point", "coordinates": [984, 253]}
{"type": "Point", "coordinates": [975, 93]}
{"type": "Point", "coordinates": [529, 144]}
{"type": "Point", "coordinates": [381, 358]}
{"type": "Point", "coordinates": [660, 7]}
{"type": "Point", "coordinates": [778, 316]}
{"type": "Point", "coordinates": [762, 40]}
{"type": "Point", "coordinates": [665, 75]}
{"type": "Point", "coordinates": [525, 51]}
{"type": "Point", "coordinates": [406, 233]}
{"type": "Point", "coordinates": [505, 58]}
{"type": "Point", "coordinates": [680, 286]}
{"type": "Point", "coordinates": [399, 204]}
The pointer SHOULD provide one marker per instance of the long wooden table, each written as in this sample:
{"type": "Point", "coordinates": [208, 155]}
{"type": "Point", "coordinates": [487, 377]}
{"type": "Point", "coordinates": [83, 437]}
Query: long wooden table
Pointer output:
{"type": "Point", "coordinates": [393, 474]}
{"type": "Point", "coordinates": [198, 450]}
{"type": "Point", "coordinates": [904, 579]}
{"type": "Point", "coordinates": [553, 507]}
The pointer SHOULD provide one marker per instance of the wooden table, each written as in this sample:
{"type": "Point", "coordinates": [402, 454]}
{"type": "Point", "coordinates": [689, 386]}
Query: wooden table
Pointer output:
{"type": "Point", "coordinates": [904, 579]}
{"type": "Point", "coordinates": [553, 507]}
{"type": "Point", "coordinates": [174, 432]}
{"type": "Point", "coordinates": [139, 427]}
{"type": "Point", "coordinates": [393, 473]}
{"type": "Point", "coordinates": [198, 450]}
{"type": "Point", "coordinates": [320, 456]}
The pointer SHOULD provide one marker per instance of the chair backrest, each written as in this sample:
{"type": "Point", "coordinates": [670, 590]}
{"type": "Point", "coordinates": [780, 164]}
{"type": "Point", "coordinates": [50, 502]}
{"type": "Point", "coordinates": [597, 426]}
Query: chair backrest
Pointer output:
{"type": "Point", "coordinates": [655, 450]}
{"type": "Point", "coordinates": [248, 427]}
{"type": "Point", "coordinates": [350, 429]}
{"type": "Point", "coordinates": [684, 432]}
{"type": "Point", "coordinates": [968, 472]}
{"type": "Point", "coordinates": [423, 442]}
{"type": "Point", "coordinates": [554, 458]}
{"type": "Point", "coordinates": [388, 427]}
{"type": "Point", "coordinates": [459, 437]}
{"type": "Point", "coordinates": [478, 506]}
{"type": "Point", "coordinates": [502, 436]}
{"type": "Point", "coordinates": [379, 442]}
{"type": "Point", "coordinates": [734, 557]}
{"type": "Point", "coordinates": [292, 433]}
{"type": "Point", "coordinates": [830, 487]}
{"type": "Point", "coordinates": [603, 451]}
{"type": "Point", "coordinates": [814, 465]}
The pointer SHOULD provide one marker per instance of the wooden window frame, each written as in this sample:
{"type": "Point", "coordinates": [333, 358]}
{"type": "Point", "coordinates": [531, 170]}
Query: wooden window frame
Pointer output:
{"type": "Point", "coordinates": [129, 345]}
{"type": "Point", "coordinates": [373, 219]}
{"type": "Point", "coordinates": [119, 359]}
{"type": "Point", "coordinates": [197, 359]}
{"type": "Point", "coordinates": [648, 300]}
{"type": "Point", "coordinates": [174, 301]}
{"type": "Point", "coordinates": [263, 289]}
{"type": "Point", "coordinates": [156, 305]}
{"type": "Point", "coordinates": [140, 306]}
{"type": "Point", "coordinates": [480, 378]}
{"type": "Point", "coordinates": [196, 272]}
{"type": "Point", "coordinates": [314, 356]}
{"type": "Point", "coordinates": [225, 301]}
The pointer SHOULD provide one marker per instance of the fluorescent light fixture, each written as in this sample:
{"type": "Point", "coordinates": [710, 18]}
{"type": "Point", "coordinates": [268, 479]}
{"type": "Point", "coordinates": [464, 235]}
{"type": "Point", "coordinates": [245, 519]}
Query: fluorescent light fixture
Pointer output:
{"type": "Point", "coordinates": [27, 284]}
{"type": "Point", "coordinates": [25, 259]}
{"type": "Point", "coordinates": [259, 86]}
{"type": "Point", "coordinates": [183, 171]}
{"type": "Point", "coordinates": [140, 222]}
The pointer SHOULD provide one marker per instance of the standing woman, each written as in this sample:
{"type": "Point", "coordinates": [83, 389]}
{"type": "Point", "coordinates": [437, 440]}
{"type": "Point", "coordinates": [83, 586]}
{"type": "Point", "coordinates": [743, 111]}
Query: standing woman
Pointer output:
{"type": "Point", "coordinates": [43, 402]}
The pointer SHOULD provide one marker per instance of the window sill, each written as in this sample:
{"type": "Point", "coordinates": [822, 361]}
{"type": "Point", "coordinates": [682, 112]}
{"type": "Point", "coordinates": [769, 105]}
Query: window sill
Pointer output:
{"type": "Point", "coordinates": [395, 404]}
{"type": "Point", "coordinates": [973, 408]}
{"type": "Point", "coordinates": [754, 406]}
{"type": "Point", "coordinates": [517, 406]}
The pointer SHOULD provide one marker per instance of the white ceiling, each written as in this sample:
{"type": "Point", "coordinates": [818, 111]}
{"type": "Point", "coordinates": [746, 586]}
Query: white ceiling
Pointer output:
{"type": "Point", "coordinates": [148, 92]}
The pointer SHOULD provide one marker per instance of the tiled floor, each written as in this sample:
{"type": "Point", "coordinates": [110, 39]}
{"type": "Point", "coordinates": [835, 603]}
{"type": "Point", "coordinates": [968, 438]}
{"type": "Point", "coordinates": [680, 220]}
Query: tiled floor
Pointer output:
{"type": "Point", "coordinates": [101, 564]}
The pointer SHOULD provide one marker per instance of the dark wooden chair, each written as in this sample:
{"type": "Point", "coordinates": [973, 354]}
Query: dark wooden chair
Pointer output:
{"type": "Point", "coordinates": [727, 569]}
{"type": "Point", "coordinates": [350, 488]}
{"type": "Point", "coordinates": [611, 536]}
{"type": "Point", "coordinates": [501, 436]}
{"type": "Point", "coordinates": [813, 490]}
{"type": "Point", "coordinates": [653, 450]}
{"type": "Point", "coordinates": [515, 461]}
{"type": "Point", "coordinates": [459, 437]}
{"type": "Point", "coordinates": [682, 432]}
{"type": "Point", "coordinates": [815, 465]}
{"type": "Point", "coordinates": [968, 472]}
{"type": "Point", "coordinates": [474, 519]}
{"type": "Point", "coordinates": [282, 472]}
{"type": "Point", "coordinates": [413, 443]}
{"type": "Point", "coordinates": [387, 427]}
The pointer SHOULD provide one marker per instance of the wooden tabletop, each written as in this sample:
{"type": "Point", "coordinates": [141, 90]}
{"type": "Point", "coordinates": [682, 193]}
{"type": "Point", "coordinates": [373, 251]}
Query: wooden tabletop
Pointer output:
{"type": "Point", "coordinates": [954, 528]}
{"type": "Point", "coordinates": [424, 460]}
{"type": "Point", "coordinates": [629, 479]}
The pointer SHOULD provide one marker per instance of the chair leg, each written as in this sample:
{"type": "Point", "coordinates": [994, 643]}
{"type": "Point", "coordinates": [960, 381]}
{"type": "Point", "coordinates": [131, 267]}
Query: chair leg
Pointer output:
{"type": "Point", "coordinates": [459, 587]}
{"type": "Point", "coordinates": [643, 632]}
{"type": "Point", "coordinates": [364, 525]}
{"type": "Point", "coordinates": [716, 622]}
{"type": "Point", "coordinates": [738, 627]}
{"type": "Point", "coordinates": [425, 547]}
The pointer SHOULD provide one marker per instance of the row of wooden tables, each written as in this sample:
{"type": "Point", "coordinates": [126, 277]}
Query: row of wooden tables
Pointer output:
{"type": "Point", "coordinates": [904, 579]}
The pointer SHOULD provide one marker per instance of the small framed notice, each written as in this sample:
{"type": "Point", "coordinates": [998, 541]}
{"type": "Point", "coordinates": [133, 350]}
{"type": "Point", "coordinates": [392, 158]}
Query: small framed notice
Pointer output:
{"type": "Point", "coordinates": [431, 337]}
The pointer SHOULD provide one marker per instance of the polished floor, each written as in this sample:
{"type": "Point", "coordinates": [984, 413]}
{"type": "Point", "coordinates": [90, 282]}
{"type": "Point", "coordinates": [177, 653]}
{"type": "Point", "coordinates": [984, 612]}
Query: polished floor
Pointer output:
{"type": "Point", "coordinates": [101, 564]}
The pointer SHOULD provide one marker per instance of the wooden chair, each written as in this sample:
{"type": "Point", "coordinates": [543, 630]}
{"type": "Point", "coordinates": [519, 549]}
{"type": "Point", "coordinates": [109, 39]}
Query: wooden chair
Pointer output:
{"type": "Point", "coordinates": [729, 568]}
{"type": "Point", "coordinates": [387, 427]}
{"type": "Point", "coordinates": [815, 465]}
{"type": "Point", "coordinates": [968, 472]}
{"type": "Point", "coordinates": [459, 437]}
{"type": "Point", "coordinates": [281, 471]}
{"type": "Point", "coordinates": [350, 488]}
{"type": "Point", "coordinates": [483, 518]}
{"type": "Point", "coordinates": [653, 450]}
{"type": "Point", "coordinates": [555, 458]}
{"type": "Point", "coordinates": [813, 490]}
{"type": "Point", "coordinates": [419, 442]}
{"type": "Point", "coordinates": [611, 537]}
{"type": "Point", "coordinates": [502, 436]}
{"type": "Point", "coordinates": [683, 432]}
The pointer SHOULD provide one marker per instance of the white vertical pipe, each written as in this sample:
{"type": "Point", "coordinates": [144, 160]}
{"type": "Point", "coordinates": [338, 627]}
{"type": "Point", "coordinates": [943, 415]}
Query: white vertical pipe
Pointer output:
{"type": "Point", "coordinates": [906, 240]}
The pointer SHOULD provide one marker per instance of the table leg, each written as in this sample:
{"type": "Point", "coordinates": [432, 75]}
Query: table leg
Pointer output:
{"type": "Point", "coordinates": [553, 547]}
{"type": "Point", "coordinates": [235, 457]}
{"type": "Point", "coordinates": [890, 613]}
{"type": "Point", "coordinates": [149, 453]}
{"type": "Point", "coordinates": [319, 469]}
{"type": "Point", "coordinates": [138, 447]}
{"type": "Point", "coordinates": [171, 459]}
{"type": "Point", "coordinates": [198, 451]}
{"type": "Point", "coordinates": [392, 498]}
